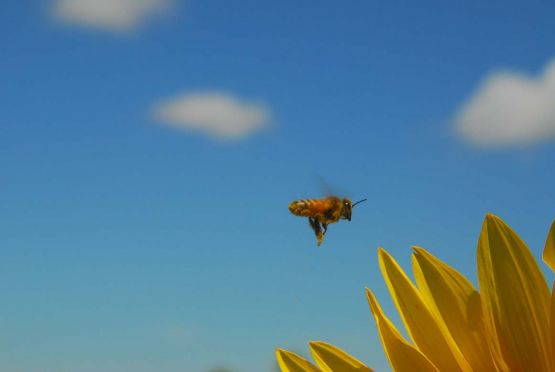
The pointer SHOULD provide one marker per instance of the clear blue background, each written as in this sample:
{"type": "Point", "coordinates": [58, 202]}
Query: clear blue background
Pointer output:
{"type": "Point", "coordinates": [126, 245]}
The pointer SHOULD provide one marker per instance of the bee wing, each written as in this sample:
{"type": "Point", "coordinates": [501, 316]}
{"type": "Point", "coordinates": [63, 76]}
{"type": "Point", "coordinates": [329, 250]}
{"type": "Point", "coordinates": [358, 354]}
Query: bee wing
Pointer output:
{"type": "Point", "coordinates": [327, 189]}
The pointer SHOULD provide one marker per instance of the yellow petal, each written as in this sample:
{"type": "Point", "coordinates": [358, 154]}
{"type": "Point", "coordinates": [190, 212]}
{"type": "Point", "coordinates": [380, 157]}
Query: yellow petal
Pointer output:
{"type": "Point", "coordinates": [402, 356]}
{"type": "Point", "coordinates": [424, 326]}
{"type": "Point", "coordinates": [552, 326]}
{"type": "Point", "coordinates": [549, 250]}
{"type": "Point", "coordinates": [330, 358]}
{"type": "Point", "coordinates": [458, 303]}
{"type": "Point", "coordinates": [291, 362]}
{"type": "Point", "coordinates": [515, 297]}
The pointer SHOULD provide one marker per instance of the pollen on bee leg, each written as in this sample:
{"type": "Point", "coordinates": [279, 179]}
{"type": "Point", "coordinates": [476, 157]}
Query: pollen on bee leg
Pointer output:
{"type": "Point", "coordinates": [319, 238]}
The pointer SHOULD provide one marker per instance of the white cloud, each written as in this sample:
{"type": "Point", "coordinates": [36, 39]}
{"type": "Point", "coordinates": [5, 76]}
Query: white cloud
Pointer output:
{"type": "Point", "coordinates": [113, 15]}
{"type": "Point", "coordinates": [510, 109]}
{"type": "Point", "coordinates": [216, 114]}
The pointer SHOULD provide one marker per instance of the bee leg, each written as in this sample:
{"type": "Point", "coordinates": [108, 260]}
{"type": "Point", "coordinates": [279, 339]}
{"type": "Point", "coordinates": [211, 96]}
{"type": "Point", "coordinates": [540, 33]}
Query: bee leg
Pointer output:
{"type": "Point", "coordinates": [325, 226]}
{"type": "Point", "coordinates": [315, 225]}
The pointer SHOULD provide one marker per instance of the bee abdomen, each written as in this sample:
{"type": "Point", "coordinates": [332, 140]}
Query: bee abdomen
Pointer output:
{"type": "Point", "coordinates": [301, 207]}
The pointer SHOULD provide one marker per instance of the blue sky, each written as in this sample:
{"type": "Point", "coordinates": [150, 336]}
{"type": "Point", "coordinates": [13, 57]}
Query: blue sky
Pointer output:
{"type": "Point", "coordinates": [148, 154]}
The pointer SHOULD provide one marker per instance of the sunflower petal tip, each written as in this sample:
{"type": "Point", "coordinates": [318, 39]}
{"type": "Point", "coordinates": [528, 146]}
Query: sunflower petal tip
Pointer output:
{"type": "Point", "coordinates": [490, 217]}
{"type": "Point", "coordinates": [506, 265]}
{"type": "Point", "coordinates": [371, 300]}
{"type": "Point", "coordinates": [382, 253]}
{"type": "Point", "coordinates": [416, 249]}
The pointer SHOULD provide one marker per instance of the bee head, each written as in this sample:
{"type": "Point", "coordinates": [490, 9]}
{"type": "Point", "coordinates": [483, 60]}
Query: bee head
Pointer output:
{"type": "Point", "coordinates": [348, 208]}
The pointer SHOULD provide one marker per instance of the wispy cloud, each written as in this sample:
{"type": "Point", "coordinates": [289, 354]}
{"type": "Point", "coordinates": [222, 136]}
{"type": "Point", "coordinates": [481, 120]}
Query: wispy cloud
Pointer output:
{"type": "Point", "coordinates": [510, 108]}
{"type": "Point", "coordinates": [216, 114]}
{"type": "Point", "coordinates": [111, 15]}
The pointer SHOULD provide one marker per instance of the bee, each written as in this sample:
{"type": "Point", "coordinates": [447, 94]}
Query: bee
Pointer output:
{"type": "Point", "coordinates": [322, 212]}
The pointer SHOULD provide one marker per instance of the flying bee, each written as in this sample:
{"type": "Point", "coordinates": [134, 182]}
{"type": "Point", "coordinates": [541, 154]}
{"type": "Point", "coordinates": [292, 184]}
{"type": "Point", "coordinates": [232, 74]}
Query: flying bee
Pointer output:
{"type": "Point", "coordinates": [322, 212]}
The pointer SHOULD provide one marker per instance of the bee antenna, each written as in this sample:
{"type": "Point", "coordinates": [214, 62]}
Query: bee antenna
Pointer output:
{"type": "Point", "coordinates": [360, 201]}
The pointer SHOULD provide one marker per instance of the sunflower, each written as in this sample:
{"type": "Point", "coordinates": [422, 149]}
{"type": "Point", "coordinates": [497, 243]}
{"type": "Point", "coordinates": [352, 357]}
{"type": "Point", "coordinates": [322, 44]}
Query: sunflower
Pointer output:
{"type": "Point", "coordinates": [509, 325]}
